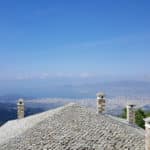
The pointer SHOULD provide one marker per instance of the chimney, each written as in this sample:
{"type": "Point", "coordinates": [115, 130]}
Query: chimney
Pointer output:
{"type": "Point", "coordinates": [100, 102]}
{"type": "Point", "coordinates": [131, 113]}
{"type": "Point", "coordinates": [147, 133]}
{"type": "Point", "coordinates": [20, 107]}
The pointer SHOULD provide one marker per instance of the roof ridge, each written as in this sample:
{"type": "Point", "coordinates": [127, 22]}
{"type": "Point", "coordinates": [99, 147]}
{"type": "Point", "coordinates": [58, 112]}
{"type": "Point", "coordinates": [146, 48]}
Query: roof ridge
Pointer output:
{"type": "Point", "coordinates": [77, 126]}
{"type": "Point", "coordinates": [19, 126]}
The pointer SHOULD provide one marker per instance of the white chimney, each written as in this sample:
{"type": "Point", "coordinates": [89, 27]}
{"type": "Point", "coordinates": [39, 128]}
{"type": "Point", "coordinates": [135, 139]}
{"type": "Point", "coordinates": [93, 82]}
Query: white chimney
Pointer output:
{"type": "Point", "coordinates": [100, 102]}
{"type": "Point", "coordinates": [20, 108]}
{"type": "Point", "coordinates": [131, 113]}
{"type": "Point", "coordinates": [147, 133]}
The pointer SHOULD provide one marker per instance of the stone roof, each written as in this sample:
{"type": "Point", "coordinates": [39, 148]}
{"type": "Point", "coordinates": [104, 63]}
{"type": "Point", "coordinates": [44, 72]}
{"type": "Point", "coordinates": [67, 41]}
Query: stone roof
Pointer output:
{"type": "Point", "coordinates": [71, 127]}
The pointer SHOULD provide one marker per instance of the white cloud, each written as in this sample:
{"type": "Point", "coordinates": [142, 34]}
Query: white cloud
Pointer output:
{"type": "Point", "coordinates": [45, 75]}
{"type": "Point", "coordinates": [85, 75]}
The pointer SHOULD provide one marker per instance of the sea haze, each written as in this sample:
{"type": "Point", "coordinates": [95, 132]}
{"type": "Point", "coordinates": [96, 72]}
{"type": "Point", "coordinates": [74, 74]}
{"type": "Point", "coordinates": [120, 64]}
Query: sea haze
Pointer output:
{"type": "Point", "coordinates": [72, 88]}
{"type": "Point", "coordinates": [41, 95]}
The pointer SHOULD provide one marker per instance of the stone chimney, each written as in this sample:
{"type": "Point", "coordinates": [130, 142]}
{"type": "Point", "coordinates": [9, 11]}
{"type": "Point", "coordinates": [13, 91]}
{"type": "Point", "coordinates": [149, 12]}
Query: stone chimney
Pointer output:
{"type": "Point", "coordinates": [147, 133]}
{"type": "Point", "coordinates": [100, 102]}
{"type": "Point", "coordinates": [20, 108]}
{"type": "Point", "coordinates": [131, 113]}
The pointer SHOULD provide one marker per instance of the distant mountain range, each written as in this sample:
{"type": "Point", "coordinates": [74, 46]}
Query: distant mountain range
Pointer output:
{"type": "Point", "coordinates": [130, 90]}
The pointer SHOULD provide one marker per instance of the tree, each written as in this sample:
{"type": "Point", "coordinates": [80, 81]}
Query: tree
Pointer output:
{"type": "Point", "coordinates": [124, 113]}
{"type": "Point", "coordinates": [139, 116]}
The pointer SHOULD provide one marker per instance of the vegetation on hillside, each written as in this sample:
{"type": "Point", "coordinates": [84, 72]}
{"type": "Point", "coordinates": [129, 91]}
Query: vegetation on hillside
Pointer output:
{"type": "Point", "coordinates": [139, 116]}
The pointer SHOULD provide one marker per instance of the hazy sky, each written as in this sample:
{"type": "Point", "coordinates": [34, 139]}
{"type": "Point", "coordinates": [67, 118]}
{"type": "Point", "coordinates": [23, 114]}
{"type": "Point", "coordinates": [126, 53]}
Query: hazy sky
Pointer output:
{"type": "Point", "coordinates": [74, 38]}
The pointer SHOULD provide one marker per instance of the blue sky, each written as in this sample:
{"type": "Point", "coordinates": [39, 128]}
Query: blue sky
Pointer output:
{"type": "Point", "coordinates": [41, 39]}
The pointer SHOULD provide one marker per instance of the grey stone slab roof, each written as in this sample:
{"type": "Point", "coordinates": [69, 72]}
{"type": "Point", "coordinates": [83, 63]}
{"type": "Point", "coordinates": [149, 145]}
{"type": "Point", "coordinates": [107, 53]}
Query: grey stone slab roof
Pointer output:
{"type": "Point", "coordinates": [74, 127]}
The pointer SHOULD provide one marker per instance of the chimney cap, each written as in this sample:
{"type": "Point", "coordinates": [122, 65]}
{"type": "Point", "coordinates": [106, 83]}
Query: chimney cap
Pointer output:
{"type": "Point", "coordinates": [20, 101]}
{"type": "Point", "coordinates": [101, 94]}
{"type": "Point", "coordinates": [147, 120]}
{"type": "Point", "coordinates": [131, 105]}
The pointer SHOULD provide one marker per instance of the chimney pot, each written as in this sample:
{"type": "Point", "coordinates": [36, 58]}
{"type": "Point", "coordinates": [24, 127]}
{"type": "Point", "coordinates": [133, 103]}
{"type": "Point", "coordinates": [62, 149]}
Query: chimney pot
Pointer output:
{"type": "Point", "coordinates": [100, 102]}
{"type": "Point", "coordinates": [20, 108]}
{"type": "Point", "coordinates": [147, 133]}
{"type": "Point", "coordinates": [131, 113]}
